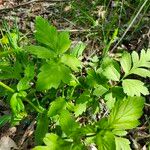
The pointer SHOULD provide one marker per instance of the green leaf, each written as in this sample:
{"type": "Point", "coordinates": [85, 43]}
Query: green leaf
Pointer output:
{"type": "Point", "coordinates": [134, 87]}
{"type": "Point", "coordinates": [67, 123]}
{"type": "Point", "coordinates": [42, 127]}
{"type": "Point", "coordinates": [78, 49]}
{"type": "Point", "coordinates": [100, 90]}
{"type": "Point", "coordinates": [94, 78]}
{"type": "Point", "coordinates": [110, 100]}
{"type": "Point", "coordinates": [119, 132]}
{"type": "Point", "coordinates": [4, 119]}
{"type": "Point", "coordinates": [40, 52]}
{"type": "Point", "coordinates": [71, 62]}
{"type": "Point", "coordinates": [52, 74]}
{"type": "Point", "coordinates": [56, 107]}
{"type": "Point", "coordinates": [54, 142]}
{"type": "Point", "coordinates": [122, 143]}
{"type": "Point", "coordinates": [126, 62]}
{"type": "Point", "coordinates": [48, 35]}
{"type": "Point", "coordinates": [79, 109]}
{"type": "Point", "coordinates": [45, 33]}
{"type": "Point", "coordinates": [111, 73]}
{"type": "Point", "coordinates": [140, 64]}
{"type": "Point", "coordinates": [29, 71]}
{"type": "Point", "coordinates": [18, 109]}
{"type": "Point", "coordinates": [16, 104]}
{"type": "Point", "coordinates": [63, 42]}
{"type": "Point", "coordinates": [125, 113]}
{"type": "Point", "coordinates": [81, 103]}
{"type": "Point", "coordinates": [105, 141]}
{"type": "Point", "coordinates": [23, 84]}
{"type": "Point", "coordinates": [141, 72]}
{"type": "Point", "coordinates": [135, 58]}
{"type": "Point", "coordinates": [42, 148]}
{"type": "Point", "coordinates": [51, 140]}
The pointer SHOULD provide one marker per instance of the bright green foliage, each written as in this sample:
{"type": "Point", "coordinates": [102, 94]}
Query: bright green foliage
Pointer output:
{"type": "Point", "coordinates": [40, 52]}
{"type": "Point", "coordinates": [71, 62]}
{"type": "Point", "coordinates": [77, 105]}
{"type": "Point", "coordinates": [67, 123]}
{"type": "Point", "coordinates": [53, 142]}
{"type": "Point", "coordinates": [81, 103]}
{"type": "Point", "coordinates": [126, 62]}
{"type": "Point", "coordinates": [122, 143]}
{"type": "Point", "coordinates": [56, 107]}
{"type": "Point", "coordinates": [133, 64]}
{"type": "Point", "coordinates": [18, 108]}
{"type": "Point", "coordinates": [100, 90]}
{"type": "Point", "coordinates": [80, 108]}
{"type": "Point", "coordinates": [57, 70]}
{"type": "Point", "coordinates": [42, 127]}
{"type": "Point", "coordinates": [24, 83]}
{"type": "Point", "coordinates": [105, 141]}
{"type": "Point", "coordinates": [111, 73]}
{"type": "Point", "coordinates": [78, 49]}
{"type": "Point", "coordinates": [126, 113]}
{"type": "Point", "coordinates": [134, 87]}
{"type": "Point", "coordinates": [48, 35]}
{"type": "Point", "coordinates": [52, 74]}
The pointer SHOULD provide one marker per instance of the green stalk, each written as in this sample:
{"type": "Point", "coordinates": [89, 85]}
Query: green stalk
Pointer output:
{"type": "Point", "coordinates": [36, 108]}
{"type": "Point", "coordinates": [28, 101]}
{"type": "Point", "coordinates": [7, 87]}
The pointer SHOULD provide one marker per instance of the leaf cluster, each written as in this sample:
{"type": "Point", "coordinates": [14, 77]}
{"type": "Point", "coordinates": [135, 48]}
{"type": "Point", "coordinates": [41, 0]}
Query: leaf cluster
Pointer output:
{"type": "Point", "coordinates": [49, 81]}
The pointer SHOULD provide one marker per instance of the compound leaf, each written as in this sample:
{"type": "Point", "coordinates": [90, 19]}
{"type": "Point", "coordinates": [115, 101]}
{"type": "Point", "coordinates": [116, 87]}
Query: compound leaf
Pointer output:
{"type": "Point", "coordinates": [137, 65]}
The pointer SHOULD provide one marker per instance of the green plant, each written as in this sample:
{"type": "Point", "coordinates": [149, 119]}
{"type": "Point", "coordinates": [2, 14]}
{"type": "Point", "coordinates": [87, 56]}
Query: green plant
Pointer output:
{"type": "Point", "coordinates": [69, 100]}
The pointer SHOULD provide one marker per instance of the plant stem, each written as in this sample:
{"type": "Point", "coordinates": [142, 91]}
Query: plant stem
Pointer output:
{"type": "Point", "coordinates": [28, 101]}
{"type": "Point", "coordinates": [36, 108]}
{"type": "Point", "coordinates": [7, 87]}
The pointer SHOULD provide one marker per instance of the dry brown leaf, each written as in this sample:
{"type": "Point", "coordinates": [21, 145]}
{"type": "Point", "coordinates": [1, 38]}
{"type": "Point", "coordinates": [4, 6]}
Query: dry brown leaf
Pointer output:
{"type": "Point", "coordinates": [6, 143]}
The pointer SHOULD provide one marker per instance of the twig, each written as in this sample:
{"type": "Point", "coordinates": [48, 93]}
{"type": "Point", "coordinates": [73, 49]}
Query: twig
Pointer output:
{"type": "Point", "coordinates": [29, 131]}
